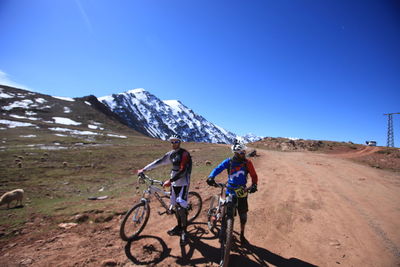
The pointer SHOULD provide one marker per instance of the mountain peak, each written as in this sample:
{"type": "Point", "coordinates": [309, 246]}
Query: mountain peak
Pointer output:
{"type": "Point", "coordinates": [136, 91]}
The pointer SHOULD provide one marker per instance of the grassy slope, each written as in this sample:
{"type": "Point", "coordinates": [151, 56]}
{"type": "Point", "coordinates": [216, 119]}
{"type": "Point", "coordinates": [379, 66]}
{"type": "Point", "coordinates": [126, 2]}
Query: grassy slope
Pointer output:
{"type": "Point", "coordinates": [56, 191]}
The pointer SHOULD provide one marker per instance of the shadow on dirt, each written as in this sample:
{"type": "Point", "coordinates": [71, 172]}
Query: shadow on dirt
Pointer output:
{"type": "Point", "coordinates": [261, 257]}
{"type": "Point", "coordinates": [144, 247]}
{"type": "Point", "coordinates": [15, 207]}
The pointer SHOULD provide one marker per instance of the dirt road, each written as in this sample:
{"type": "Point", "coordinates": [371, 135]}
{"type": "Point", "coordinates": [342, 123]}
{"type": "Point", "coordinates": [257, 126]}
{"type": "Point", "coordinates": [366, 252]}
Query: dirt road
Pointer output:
{"type": "Point", "coordinates": [311, 209]}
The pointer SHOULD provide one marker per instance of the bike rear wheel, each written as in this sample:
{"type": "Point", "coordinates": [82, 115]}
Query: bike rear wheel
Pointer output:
{"type": "Point", "coordinates": [194, 206]}
{"type": "Point", "coordinates": [226, 243]}
{"type": "Point", "coordinates": [134, 221]}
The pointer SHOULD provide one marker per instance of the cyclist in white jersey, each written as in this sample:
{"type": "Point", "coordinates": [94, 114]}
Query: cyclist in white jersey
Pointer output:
{"type": "Point", "coordinates": [180, 181]}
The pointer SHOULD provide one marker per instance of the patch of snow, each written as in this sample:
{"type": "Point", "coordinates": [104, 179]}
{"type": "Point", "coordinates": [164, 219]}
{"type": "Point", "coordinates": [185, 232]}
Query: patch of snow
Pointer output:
{"type": "Point", "coordinates": [40, 100]}
{"type": "Point", "coordinates": [64, 98]}
{"type": "Point", "coordinates": [58, 129]}
{"type": "Point", "coordinates": [65, 121]}
{"type": "Point", "coordinates": [13, 124]}
{"type": "Point", "coordinates": [5, 95]}
{"type": "Point", "coordinates": [88, 103]}
{"type": "Point", "coordinates": [136, 91]}
{"type": "Point", "coordinates": [95, 127]}
{"type": "Point", "coordinates": [118, 136]}
{"type": "Point", "coordinates": [62, 135]}
{"type": "Point", "coordinates": [139, 93]}
{"type": "Point", "coordinates": [17, 116]}
{"type": "Point", "coordinates": [22, 117]}
{"type": "Point", "coordinates": [28, 136]}
{"type": "Point", "coordinates": [19, 104]}
{"type": "Point", "coordinates": [67, 110]}
{"type": "Point", "coordinates": [52, 147]}
{"type": "Point", "coordinates": [108, 100]}
{"type": "Point", "coordinates": [30, 113]}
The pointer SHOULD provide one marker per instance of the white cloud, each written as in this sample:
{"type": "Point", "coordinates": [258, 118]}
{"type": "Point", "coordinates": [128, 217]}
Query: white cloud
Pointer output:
{"type": "Point", "coordinates": [5, 80]}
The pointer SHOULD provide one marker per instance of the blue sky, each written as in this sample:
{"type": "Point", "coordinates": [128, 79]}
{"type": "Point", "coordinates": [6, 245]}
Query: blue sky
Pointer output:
{"type": "Point", "coordinates": [313, 69]}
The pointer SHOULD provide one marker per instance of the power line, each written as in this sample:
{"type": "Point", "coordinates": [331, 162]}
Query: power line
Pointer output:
{"type": "Point", "coordinates": [390, 135]}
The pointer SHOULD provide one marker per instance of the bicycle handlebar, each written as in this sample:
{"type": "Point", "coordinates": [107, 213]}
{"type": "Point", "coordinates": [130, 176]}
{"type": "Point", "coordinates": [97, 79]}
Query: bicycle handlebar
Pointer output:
{"type": "Point", "coordinates": [224, 185]}
{"type": "Point", "coordinates": [152, 181]}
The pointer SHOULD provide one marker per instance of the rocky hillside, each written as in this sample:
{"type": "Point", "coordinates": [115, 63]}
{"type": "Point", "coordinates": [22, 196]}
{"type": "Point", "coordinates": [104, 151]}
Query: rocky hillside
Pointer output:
{"type": "Point", "coordinates": [286, 144]}
{"type": "Point", "coordinates": [377, 157]}
{"type": "Point", "coordinates": [36, 119]}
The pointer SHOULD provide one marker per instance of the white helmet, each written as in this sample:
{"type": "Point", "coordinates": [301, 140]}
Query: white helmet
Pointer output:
{"type": "Point", "coordinates": [237, 147]}
{"type": "Point", "coordinates": [175, 137]}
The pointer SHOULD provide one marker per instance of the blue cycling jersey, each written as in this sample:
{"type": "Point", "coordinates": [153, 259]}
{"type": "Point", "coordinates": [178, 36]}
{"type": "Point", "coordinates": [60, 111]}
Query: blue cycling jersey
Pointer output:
{"type": "Point", "coordinates": [237, 173]}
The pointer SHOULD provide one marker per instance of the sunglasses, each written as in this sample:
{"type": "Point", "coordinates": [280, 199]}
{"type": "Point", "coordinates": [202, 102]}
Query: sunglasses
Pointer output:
{"type": "Point", "coordinates": [241, 152]}
{"type": "Point", "coordinates": [175, 142]}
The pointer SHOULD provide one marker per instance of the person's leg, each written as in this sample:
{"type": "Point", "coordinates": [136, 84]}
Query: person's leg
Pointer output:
{"type": "Point", "coordinates": [175, 190]}
{"type": "Point", "coordinates": [243, 220]}
{"type": "Point", "coordinates": [182, 212]}
{"type": "Point", "coordinates": [242, 210]}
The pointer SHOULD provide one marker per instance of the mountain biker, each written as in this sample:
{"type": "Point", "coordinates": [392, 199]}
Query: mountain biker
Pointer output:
{"type": "Point", "coordinates": [238, 167]}
{"type": "Point", "coordinates": [180, 180]}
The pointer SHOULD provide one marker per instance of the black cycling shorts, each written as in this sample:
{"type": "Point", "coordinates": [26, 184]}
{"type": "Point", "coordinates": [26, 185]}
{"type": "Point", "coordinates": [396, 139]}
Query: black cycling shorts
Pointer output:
{"type": "Point", "coordinates": [242, 205]}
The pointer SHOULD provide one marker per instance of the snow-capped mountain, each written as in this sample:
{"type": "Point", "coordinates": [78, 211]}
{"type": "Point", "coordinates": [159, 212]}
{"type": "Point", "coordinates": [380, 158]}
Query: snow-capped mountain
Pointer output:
{"type": "Point", "coordinates": [146, 113]}
{"type": "Point", "coordinates": [248, 138]}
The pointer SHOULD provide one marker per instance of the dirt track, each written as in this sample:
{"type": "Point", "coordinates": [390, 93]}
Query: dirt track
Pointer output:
{"type": "Point", "coordinates": [311, 209]}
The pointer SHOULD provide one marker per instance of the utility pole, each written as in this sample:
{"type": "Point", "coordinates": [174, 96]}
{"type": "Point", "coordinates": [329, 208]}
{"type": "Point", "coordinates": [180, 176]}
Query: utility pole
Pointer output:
{"type": "Point", "coordinates": [390, 137]}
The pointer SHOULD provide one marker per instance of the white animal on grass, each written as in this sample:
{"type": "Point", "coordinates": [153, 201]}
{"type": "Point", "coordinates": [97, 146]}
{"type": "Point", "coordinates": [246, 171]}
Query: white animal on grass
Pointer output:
{"type": "Point", "coordinates": [8, 197]}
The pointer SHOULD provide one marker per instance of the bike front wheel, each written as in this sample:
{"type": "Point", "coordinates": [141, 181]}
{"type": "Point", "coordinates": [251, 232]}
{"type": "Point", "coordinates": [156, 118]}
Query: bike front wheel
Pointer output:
{"type": "Point", "coordinates": [134, 221]}
{"type": "Point", "coordinates": [212, 214]}
{"type": "Point", "coordinates": [226, 243]}
{"type": "Point", "coordinates": [194, 206]}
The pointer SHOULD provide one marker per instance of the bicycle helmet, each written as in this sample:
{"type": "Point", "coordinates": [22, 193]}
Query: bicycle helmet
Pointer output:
{"type": "Point", "coordinates": [175, 137]}
{"type": "Point", "coordinates": [237, 147]}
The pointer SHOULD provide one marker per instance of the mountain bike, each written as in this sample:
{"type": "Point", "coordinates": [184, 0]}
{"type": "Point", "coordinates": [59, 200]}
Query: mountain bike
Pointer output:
{"type": "Point", "coordinates": [136, 218]}
{"type": "Point", "coordinates": [220, 216]}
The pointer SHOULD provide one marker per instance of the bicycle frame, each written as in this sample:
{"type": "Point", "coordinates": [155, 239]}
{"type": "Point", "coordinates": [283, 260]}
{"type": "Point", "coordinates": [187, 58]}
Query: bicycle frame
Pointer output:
{"type": "Point", "coordinates": [136, 218]}
{"type": "Point", "coordinates": [226, 204]}
{"type": "Point", "coordinates": [153, 190]}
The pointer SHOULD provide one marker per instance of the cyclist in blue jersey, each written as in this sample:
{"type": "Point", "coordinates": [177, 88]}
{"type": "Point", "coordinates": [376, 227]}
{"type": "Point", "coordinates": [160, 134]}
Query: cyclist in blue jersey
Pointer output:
{"type": "Point", "coordinates": [238, 167]}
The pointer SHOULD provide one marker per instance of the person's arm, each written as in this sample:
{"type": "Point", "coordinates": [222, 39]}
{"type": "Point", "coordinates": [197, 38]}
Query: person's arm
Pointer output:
{"type": "Point", "coordinates": [158, 162]}
{"type": "Point", "coordinates": [252, 172]}
{"type": "Point", "coordinates": [182, 166]}
{"type": "Point", "coordinates": [222, 166]}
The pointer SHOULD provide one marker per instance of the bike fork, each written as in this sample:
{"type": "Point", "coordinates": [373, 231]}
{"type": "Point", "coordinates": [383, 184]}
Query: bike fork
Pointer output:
{"type": "Point", "coordinates": [138, 217]}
